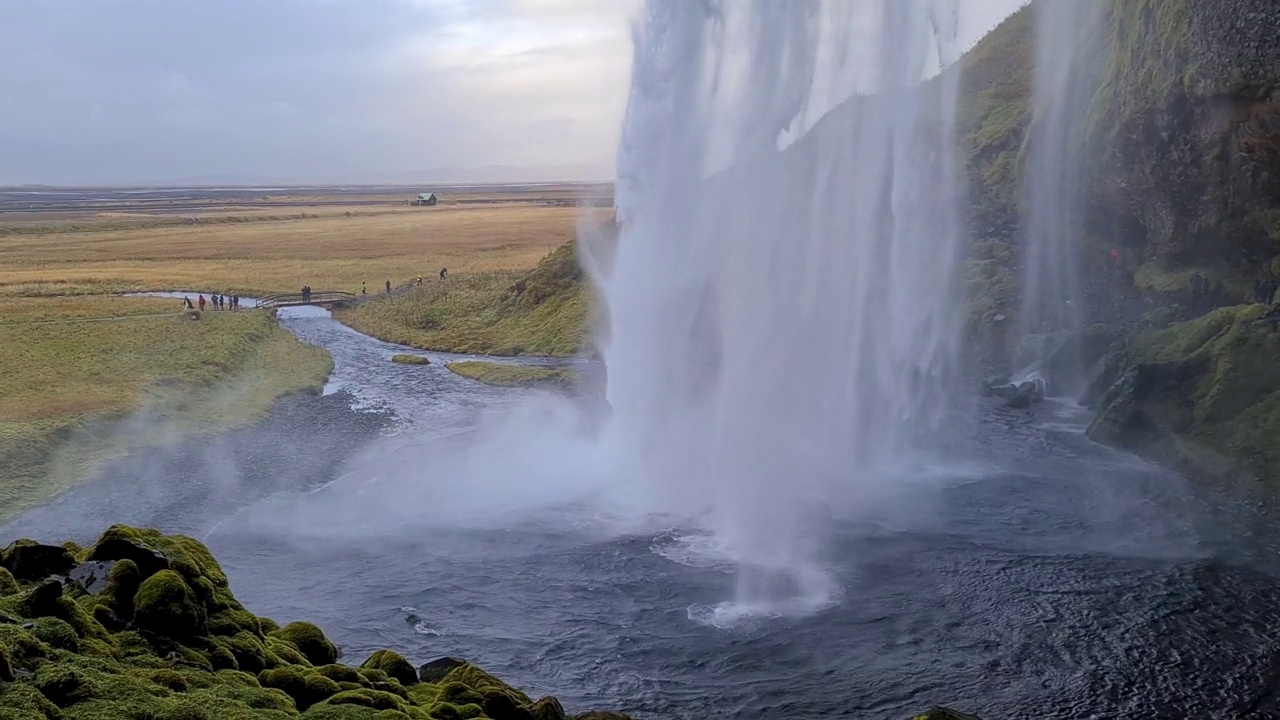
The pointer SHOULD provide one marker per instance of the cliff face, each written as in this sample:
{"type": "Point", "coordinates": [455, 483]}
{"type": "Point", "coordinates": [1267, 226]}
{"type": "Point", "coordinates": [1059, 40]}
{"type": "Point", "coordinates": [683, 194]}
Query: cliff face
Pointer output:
{"type": "Point", "coordinates": [1183, 161]}
{"type": "Point", "coordinates": [1188, 122]}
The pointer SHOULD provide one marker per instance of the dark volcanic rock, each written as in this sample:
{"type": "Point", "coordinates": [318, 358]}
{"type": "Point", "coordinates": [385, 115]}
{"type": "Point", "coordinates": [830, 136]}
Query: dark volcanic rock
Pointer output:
{"type": "Point", "coordinates": [29, 560]}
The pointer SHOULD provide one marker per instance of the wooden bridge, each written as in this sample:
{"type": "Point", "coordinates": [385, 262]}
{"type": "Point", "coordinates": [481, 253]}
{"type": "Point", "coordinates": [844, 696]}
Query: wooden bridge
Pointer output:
{"type": "Point", "coordinates": [323, 298]}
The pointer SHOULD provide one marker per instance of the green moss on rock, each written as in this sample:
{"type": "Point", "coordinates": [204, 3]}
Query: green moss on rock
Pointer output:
{"type": "Point", "coordinates": [56, 633]}
{"type": "Point", "coordinates": [310, 641]}
{"type": "Point", "coordinates": [305, 686]}
{"type": "Point", "coordinates": [184, 651]}
{"type": "Point", "coordinates": [8, 584]}
{"type": "Point", "coordinates": [165, 605]}
{"type": "Point", "coordinates": [394, 665]}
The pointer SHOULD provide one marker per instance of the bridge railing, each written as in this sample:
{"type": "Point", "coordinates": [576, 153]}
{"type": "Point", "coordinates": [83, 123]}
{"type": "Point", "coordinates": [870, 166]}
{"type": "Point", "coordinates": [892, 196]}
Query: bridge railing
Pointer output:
{"type": "Point", "coordinates": [317, 297]}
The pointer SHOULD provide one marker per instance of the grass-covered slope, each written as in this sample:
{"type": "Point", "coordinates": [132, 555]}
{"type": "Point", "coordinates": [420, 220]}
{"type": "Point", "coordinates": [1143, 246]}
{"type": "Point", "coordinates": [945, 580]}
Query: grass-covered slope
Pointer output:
{"type": "Point", "coordinates": [144, 626]}
{"type": "Point", "coordinates": [541, 312]}
{"type": "Point", "coordinates": [74, 366]}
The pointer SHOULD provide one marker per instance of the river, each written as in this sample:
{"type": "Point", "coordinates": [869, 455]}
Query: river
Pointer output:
{"type": "Point", "coordinates": [1038, 575]}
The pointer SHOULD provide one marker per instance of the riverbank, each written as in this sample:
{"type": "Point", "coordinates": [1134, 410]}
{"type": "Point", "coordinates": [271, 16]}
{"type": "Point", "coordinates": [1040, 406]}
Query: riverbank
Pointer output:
{"type": "Point", "coordinates": [87, 379]}
{"type": "Point", "coordinates": [544, 311]}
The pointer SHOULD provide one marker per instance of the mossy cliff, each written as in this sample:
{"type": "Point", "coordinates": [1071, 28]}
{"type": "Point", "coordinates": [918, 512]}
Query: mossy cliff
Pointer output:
{"type": "Point", "coordinates": [1201, 395]}
{"type": "Point", "coordinates": [143, 625]}
{"type": "Point", "coordinates": [1181, 148]}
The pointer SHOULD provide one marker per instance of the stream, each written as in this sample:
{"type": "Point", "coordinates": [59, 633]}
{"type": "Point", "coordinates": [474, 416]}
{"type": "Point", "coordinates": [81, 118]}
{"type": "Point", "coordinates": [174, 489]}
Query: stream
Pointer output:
{"type": "Point", "coordinates": [1039, 575]}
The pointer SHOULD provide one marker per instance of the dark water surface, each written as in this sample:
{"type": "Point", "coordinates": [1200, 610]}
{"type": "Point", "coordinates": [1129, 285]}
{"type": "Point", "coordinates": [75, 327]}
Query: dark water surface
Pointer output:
{"type": "Point", "coordinates": [1041, 577]}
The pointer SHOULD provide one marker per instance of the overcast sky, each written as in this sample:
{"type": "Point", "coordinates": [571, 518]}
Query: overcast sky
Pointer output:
{"type": "Point", "coordinates": [135, 91]}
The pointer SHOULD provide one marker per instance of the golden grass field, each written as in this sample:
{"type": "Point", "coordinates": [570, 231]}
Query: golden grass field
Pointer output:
{"type": "Point", "coordinates": [263, 256]}
{"type": "Point", "coordinates": [78, 359]}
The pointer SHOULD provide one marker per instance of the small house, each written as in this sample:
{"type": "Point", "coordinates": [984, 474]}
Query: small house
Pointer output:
{"type": "Point", "coordinates": [427, 199]}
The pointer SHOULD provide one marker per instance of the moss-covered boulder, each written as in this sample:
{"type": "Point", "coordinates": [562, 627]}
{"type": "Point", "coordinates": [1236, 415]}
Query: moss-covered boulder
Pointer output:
{"type": "Point", "coordinates": [165, 605]}
{"type": "Point", "coordinates": [305, 686]}
{"type": "Point", "coordinates": [8, 583]}
{"type": "Point", "coordinates": [394, 665]}
{"type": "Point", "coordinates": [548, 708]}
{"type": "Point", "coordinates": [310, 641]}
{"type": "Point", "coordinates": [30, 560]}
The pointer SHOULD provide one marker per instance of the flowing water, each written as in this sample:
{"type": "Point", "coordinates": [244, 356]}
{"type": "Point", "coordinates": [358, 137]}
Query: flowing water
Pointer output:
{"type": "Point", "coordinates": [782, 513]}
{"type": "Point", "coordinates": [782, 322]}
{"type": "Point", "coordinates": [1053, 303]}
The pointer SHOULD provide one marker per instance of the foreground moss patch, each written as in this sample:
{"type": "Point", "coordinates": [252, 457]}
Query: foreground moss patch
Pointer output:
{"type": "Point", "coordinates": [176, 645]}
{"type": "Point", "coordinates": [179, 646]}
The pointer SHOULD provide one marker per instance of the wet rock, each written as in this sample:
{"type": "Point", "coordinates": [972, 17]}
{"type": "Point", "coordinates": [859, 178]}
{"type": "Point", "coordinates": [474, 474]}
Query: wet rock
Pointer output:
{"type": "Point", "coordinates": [124, 543]}
{"type": "Point", "coordinates": [501, 706]}
{"type": "Point", "coordinates": [29, 560]}
{"type": "Point", "coordinates": [42, 599]}
{"type": "Point", "coordinates": [434, 671]}
{"type": "Point", "coordinates": [1025, 394]}
{"type": "Point", "coordinates": [548, 708]}
{"type": "Point", "coordinates": [93, 575]}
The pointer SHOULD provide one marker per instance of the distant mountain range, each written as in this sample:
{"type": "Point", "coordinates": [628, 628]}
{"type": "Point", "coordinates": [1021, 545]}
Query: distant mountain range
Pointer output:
{"type": "Point", "coordinates": [451, 175]}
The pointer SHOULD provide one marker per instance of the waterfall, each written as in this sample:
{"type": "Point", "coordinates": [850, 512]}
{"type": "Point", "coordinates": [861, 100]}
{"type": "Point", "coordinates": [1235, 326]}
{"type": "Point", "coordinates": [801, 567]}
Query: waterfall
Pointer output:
{"type": "Point", "coordinates": [782, 300]}
{"type": "Point", "coordinates": [1052, 299]}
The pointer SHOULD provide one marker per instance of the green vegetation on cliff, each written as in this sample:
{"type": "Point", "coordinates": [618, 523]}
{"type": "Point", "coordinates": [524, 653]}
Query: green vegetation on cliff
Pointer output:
{"type": "Point", "coordinates": [1203, 395]}
{"type": "Point", "coordinates": [145, 626]}
{"type": "Point", "coordinates": [542, 312]}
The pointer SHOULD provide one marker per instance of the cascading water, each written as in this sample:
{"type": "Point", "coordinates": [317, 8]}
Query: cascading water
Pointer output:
{"type": "Point", "coordinates": [782, 320]}
{"type": "Point", "coordinates": [1053, 303]}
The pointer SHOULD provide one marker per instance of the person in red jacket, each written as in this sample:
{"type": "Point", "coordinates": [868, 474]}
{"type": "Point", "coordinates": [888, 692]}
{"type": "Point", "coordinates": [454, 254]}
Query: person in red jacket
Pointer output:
{"type": "Point", "coordinates": [200, 302]}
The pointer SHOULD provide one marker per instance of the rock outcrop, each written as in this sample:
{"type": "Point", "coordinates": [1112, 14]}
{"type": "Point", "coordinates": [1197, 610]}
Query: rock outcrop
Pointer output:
{"type": "Point", "coordinates": [1183, 161]}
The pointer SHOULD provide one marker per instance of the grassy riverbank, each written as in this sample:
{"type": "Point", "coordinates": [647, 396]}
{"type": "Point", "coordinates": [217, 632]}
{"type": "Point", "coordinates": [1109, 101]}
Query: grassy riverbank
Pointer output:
{"type": "Point", "coordinates": [86, 379]}
{"type": "Point", "coordinates": [544, 311]}
{"type": "Point", "coordinates": [504, 375]}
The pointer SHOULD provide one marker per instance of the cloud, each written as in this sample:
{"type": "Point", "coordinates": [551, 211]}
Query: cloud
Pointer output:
{"type": "Point", "coordinates": [136, 91]}
{"type": "Point", "coordinates": [145, 90]}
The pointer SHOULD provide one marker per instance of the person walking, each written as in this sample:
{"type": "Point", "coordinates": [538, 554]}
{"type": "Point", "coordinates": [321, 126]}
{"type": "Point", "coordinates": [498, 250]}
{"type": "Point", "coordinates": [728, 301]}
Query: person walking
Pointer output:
{"type": "Point", "coordinates": [444, 273]}
{"type": "Point", "coordinates": [187, 302]}
{"type": "Point", "coordinates": [388, 287]}
{"type": "Point", "coordinates": [419, 278]}
{"type": "Point", "coordinates": [201, 303]}
{"type": "Point", "coordinates": [363, 290]}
